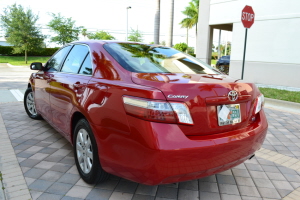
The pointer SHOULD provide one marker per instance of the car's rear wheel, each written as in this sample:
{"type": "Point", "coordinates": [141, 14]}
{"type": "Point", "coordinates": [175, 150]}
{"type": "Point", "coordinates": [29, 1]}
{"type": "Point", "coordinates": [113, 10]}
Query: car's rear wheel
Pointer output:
{"type": "Point", "coordinates": [86, 154]}
{"type": "Point", "coordinates": [29, 104]}
{"type": "Point", "coordinates": [222, 68]}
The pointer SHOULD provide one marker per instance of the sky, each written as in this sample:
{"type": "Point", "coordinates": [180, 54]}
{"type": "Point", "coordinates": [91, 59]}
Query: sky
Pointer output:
{"type": "Point", "coordinates": [110, 15]}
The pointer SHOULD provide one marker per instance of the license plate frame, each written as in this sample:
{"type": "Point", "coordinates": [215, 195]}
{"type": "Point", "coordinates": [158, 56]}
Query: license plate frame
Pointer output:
{"type": "Point", "coordinates": [234, 114]}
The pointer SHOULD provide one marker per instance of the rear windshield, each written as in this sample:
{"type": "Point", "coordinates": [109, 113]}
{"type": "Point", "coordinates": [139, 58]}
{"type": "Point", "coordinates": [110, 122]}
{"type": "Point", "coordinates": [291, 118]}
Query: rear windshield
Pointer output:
{"type": "Point", "coordinates": [143, 58]}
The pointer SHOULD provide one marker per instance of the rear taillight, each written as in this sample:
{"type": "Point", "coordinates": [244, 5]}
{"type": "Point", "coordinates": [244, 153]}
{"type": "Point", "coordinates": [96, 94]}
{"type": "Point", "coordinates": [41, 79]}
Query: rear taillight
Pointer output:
{"type": "Point", "coordinates": [260, 101]}
{"type": "Point", "coordinates": [157, 110]}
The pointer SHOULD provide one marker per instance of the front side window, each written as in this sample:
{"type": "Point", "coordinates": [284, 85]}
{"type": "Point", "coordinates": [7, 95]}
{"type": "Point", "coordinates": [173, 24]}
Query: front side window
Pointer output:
{"type": "Point", "coordinates": [54, 63]}
{"type": "Point", "coordinates": [75, 59]}
{"type": "Point", "coordinates": [156, 59]}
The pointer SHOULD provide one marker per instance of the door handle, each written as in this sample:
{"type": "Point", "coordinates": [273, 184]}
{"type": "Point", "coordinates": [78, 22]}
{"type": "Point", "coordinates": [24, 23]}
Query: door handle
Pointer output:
{"type": "Point", "coordinates": [78, 85]}
{"type": "Point", "coordinates": [49, 78]}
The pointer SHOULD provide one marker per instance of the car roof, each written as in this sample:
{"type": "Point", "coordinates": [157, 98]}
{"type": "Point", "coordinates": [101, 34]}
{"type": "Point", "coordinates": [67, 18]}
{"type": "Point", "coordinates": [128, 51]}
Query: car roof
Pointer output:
{"type": "Point", "coordinates": [104, 42]}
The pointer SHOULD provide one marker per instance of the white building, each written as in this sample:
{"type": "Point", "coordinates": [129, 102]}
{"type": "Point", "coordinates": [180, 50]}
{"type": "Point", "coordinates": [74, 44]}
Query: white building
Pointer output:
{"type": "Point", "coordinates": [3, 42]}
{"type": "Point", "coordinates": [272, 54]}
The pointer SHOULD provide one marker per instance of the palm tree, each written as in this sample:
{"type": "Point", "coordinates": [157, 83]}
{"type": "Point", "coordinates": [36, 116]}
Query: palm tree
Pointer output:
{"type": "Point", "coordinates": [157, 22]}
{"type": "Point", "coordinates": [170, 32]}
{"type": "Point", "coordinates": [191, 12]}
{"type": "Point", "coordinates": [187, 23]}
{"type": "Point", "coordinates": [84, 32]}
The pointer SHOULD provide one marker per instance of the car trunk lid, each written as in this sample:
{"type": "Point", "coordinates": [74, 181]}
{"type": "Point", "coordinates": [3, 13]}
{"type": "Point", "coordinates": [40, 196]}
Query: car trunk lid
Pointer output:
{"type": "Point", "coordinates": [203, 93]}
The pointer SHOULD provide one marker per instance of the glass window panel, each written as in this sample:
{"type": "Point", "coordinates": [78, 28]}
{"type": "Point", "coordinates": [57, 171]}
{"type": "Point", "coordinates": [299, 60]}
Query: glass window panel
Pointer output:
{"type": "Point", "coordinates": [54, 63]}
{"type": "Point", "coordinates": [75, 59]}
{"type": "Point", "coordinates": [86, 67]}
{"type": "Point", "coordinates": [156, 59]}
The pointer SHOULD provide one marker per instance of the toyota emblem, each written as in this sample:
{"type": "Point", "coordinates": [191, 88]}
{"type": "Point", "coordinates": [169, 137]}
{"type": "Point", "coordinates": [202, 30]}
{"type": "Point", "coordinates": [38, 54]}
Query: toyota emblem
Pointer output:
{"type": "Point", "coordinates": [232, 95]}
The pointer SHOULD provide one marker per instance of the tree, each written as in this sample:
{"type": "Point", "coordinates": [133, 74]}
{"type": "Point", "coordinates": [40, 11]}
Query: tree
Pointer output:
{"type": "Point", "coordinates": [135, 36]}
{"type": "Point", "coordinates": [21, 29]}
{"type": "Point", "coordinates": [227, 49]}
{"type": "Point", "coordinates": [64, 28]}
{"type": "Point", "coordinates": [163, 43]}
{"type": "Point", "coordinates": [157, 22]}
{"type": "Point", "coordinates": [191, 12]}
{"type": "Point", "coordinates": [101, 35]}
{"type": "Point", "coordinates": [84, 32]}
{"type": "Point", "coordinates": [170, 31]}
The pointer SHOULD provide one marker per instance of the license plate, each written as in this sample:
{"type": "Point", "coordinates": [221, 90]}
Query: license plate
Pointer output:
{"type": "Point", "coordinates": [230, 114]}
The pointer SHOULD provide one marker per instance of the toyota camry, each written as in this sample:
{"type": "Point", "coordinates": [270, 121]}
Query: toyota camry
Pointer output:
{"type": "Point", "coordinates": [147, 113]}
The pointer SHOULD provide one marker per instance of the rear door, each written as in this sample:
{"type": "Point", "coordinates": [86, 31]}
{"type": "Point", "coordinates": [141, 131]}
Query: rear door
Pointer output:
{"type": "Point", "coordinates": [68, 86]}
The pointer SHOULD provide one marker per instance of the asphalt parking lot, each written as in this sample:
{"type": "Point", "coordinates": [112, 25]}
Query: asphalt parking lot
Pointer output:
{"type": "Point", "coordinates": [36, 162]}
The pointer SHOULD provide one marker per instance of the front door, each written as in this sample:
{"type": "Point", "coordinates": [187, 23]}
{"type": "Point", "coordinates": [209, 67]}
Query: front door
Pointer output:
{"type": "Point", "coordinates": [43, 81]}
{"type": "Point", "coordinates": [68, 86]}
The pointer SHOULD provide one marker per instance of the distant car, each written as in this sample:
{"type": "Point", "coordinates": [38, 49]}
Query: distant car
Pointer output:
{"type": "Point", "coordinates": [223, 64]}
{"type": "Point", "coordinates": [147, 113]}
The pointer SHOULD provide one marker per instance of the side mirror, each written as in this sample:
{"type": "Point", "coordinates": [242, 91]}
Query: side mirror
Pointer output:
{"type": "Point", "coordinates": [36, 66]}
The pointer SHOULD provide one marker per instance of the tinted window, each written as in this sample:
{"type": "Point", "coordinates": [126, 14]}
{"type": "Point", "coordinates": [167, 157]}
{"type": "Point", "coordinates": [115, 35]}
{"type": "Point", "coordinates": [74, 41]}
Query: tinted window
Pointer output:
{"type": "Point", "coordinates": [57, 59]}
{"type": "Point", "coordinates": [75, 59]}
{"type": "Point", "coordinates": [154, 59]}
{"type": "Point", "coordinates": [86, 67]}
{"type": "Point", "coordinates": [225, 58]}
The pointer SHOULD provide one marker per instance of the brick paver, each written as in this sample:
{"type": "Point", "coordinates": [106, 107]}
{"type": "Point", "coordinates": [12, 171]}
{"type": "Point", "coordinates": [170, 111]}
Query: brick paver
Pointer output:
{"type": "Point", "coordinates": [47, 164]}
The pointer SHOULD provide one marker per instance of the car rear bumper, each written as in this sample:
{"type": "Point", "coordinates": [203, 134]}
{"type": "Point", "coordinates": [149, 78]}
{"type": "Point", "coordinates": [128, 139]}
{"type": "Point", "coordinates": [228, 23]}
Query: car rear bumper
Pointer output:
{"type": "Point", "coordinates": [168, 156]}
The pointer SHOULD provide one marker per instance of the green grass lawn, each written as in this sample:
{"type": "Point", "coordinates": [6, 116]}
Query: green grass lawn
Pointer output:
{"type": "Point", "coordinates": [281, 94]}
{"type": "Point", "coordinates": [213, 62]}
{"type": "Point", "coordinates": [20, 60]}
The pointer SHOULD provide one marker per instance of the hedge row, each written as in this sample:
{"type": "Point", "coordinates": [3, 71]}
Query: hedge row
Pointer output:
{"type": "Point", "coordinates": [8, 51]}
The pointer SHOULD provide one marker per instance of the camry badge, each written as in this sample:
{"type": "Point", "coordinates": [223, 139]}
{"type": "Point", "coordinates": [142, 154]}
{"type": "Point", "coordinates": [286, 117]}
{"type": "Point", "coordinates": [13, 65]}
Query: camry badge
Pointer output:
{"type": "Point", "coordinates": [177, 96]}
{"type": "Point", "coordinates": [232, 95]}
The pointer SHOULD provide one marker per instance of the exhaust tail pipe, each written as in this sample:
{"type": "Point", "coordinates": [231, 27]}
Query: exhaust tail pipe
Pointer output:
{"type": "Point", "coordinates": [251, 157]}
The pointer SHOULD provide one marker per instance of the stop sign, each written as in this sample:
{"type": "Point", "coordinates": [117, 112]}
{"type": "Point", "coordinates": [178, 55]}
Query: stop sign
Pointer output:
{"type": "Point", "coordinates": [248, 16]}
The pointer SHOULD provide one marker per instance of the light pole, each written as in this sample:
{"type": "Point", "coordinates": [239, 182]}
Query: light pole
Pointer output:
{"type": "Point", "coordinates": [129, 7]}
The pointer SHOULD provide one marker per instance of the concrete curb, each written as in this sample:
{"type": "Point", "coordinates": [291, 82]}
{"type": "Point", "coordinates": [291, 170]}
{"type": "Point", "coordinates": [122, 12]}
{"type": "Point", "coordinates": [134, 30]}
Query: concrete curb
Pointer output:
{"type": "Point", "coordinates": [14, 65]}
{"type": "Point", "coordinates": [283, 105]}
{"type": "Point", "coordinates": [2, 195]}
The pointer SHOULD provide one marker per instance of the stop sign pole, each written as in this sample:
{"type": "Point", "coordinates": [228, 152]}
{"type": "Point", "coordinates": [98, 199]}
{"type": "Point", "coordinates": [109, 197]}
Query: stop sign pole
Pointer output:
{"type": "Point", "coordinates": [247, 20]}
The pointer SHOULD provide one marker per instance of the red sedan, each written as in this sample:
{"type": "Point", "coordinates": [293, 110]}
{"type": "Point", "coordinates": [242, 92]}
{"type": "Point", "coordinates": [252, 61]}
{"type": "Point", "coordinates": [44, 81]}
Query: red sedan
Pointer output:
{"type": "Point", "coordinates": [147, 113]}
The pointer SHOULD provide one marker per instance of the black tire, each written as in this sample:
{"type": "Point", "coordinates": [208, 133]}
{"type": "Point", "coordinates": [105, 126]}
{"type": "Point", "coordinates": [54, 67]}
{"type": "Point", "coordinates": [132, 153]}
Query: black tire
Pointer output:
{"type": "Point", "coordinates": [222, 68]}
{"type": "Point", "coordinates": [85, 146]}
{"type": "Point", "coordinates": [29, 105]}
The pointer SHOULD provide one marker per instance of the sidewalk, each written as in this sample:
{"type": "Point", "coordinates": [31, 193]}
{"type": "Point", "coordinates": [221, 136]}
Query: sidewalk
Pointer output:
{"type": "Point", "coordinates": [37, 163]}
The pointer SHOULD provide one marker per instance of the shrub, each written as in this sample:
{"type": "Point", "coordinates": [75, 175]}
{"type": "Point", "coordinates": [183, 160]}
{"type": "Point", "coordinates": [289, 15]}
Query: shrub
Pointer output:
{"type": "Point", "coordinates": [214, 56]}
{"type": "Point", "coordinates": [8, 51]}
{"type": "Point", "coordinates": [181, 47]}
{"type": "Point", "coordinates": [43, 52]}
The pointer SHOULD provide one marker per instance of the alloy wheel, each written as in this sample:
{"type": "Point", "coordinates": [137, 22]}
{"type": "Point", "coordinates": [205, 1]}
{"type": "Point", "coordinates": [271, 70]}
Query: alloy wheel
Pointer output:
{"type": "Point", "coordinates": [30, 103]}
{"type": "Point", "coordinates": [84, 151]}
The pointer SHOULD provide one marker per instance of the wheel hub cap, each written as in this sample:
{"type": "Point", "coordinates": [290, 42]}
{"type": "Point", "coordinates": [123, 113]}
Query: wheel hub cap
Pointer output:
{"type": "Point", "coordinates": [84, 151]}
{"type": "Point", "coordinates": [30, 103]}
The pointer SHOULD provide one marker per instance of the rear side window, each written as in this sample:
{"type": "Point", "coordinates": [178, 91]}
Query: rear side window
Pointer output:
{"type": "Point", "coordinates": [54, 63]}
{"type": "Point", "coordinates": [86, 67]}
{"type": "Point", "coordinates": [75, 59]}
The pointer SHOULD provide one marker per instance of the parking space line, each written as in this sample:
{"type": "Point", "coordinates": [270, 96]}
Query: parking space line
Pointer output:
{"type": "Point", "coordinates": [17, 94]}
